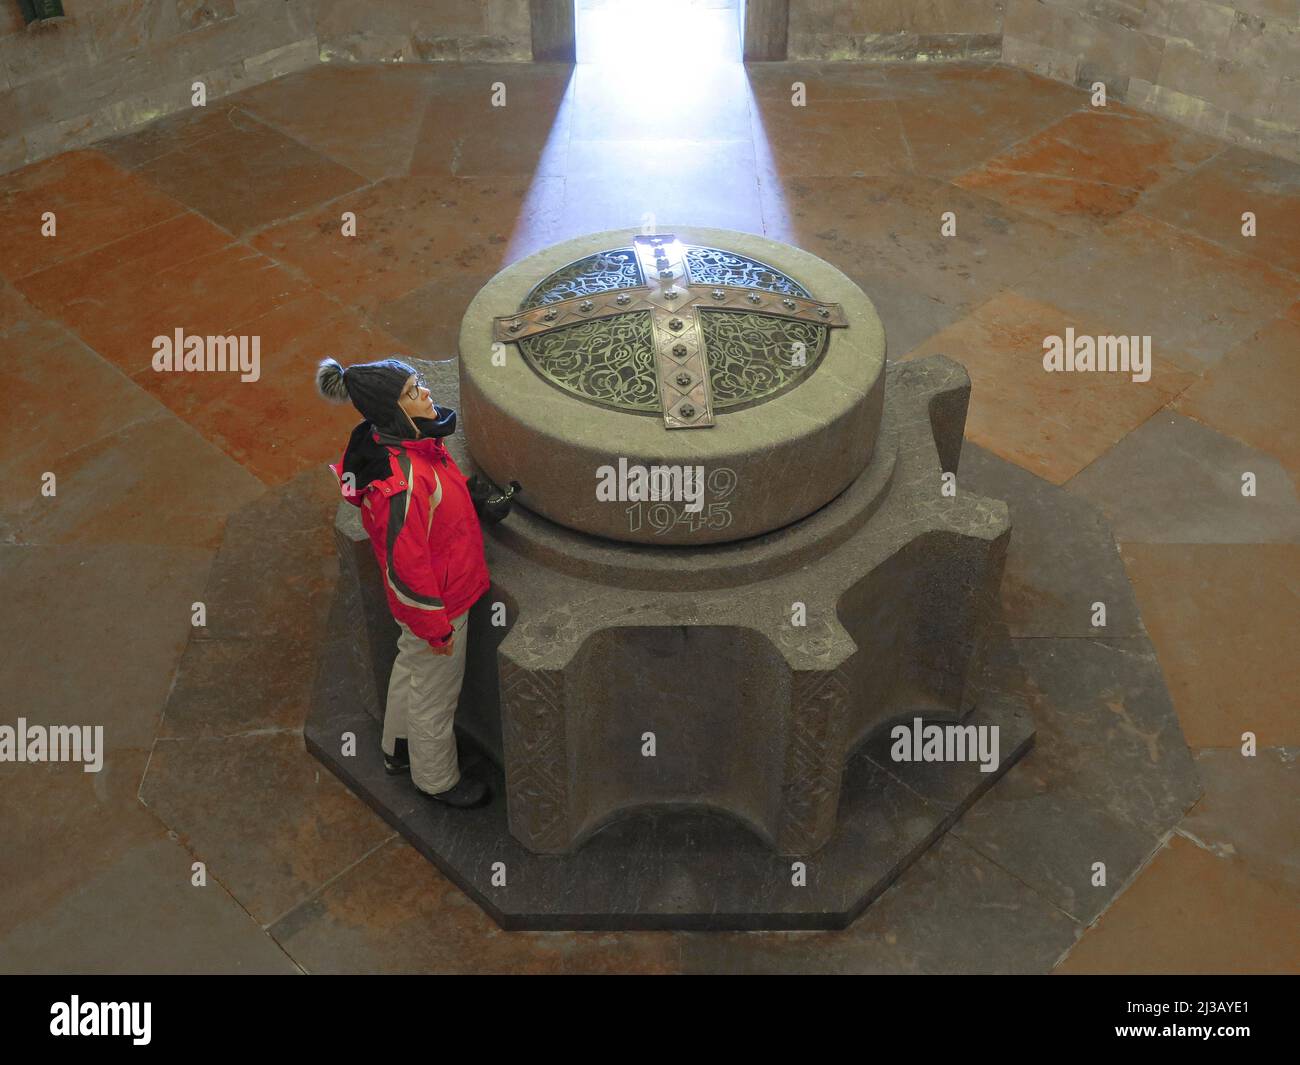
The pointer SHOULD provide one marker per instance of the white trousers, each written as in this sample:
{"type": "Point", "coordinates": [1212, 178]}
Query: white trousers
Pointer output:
{"type": "Point", "coordinates": [422, 694]}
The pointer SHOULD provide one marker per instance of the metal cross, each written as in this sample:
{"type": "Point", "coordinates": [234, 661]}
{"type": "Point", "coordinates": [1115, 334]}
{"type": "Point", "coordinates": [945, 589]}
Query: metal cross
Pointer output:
{"type": "Point", "coordinates": [681, 361]}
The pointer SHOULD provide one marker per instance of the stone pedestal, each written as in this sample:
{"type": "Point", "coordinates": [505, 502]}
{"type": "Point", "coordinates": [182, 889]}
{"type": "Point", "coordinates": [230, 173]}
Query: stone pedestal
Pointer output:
{"type": "Point", "coordinates": [640, 700]}
{"type": "Point", "coordinates": [751, 714]}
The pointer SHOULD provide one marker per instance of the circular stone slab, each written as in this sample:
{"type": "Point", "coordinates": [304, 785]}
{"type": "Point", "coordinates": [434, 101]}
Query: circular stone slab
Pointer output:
{"type": "Point", "coordinates": [578, 408]}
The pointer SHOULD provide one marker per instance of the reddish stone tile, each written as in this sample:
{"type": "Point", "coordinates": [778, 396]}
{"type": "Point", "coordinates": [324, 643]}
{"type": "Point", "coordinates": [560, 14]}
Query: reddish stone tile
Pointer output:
{"type": "Point", "coordinates": [1210, 202]}
{"type": "Point", "coordinates": [14, 308]}
{"type": "Point", "coordinates": [1052, 424]}
{"type": "Point", "coordinates": [363, 117]}
{"type": "Point", "coordinates": [1195, 299]}
{"type": "Point", "coordinates": [614, 953]}
{"type": "Point", "coordinates": [1191, 912]}
{"type": "Point", "coordinates": [1125, 148]}
{"type": "Point", "coordinates": [1063, 201]}
{"type": "Point", "coordinates": [1227, 821]}
{"type": "Point", "coordinates": [198, 280]}
{"type": "Point", "coordinates": [1091, 165]}
{"type": "Point", "coordinates": [94, 202]}
{"type": "Point", "coordinates": [1222, 617]}
{"type": "Point", "coordinates": [246, 175]}
{"type": "Point", "coordinates": [142, 254]}
{"type": "Point", "coordinates": [854, 138]}
{"type": "Point", "coordinates": [1251, 393]}
{"type": "Point", "coordinates": [886, 231]}
{"type": "Point", "coordinates": [410, 231]}
{"type": "Point", "coordinates": [52, 378]}
{"type": "Point", "coordinates": [154, 482]}
{"type": "Point", "coordinates": [463, 134]}
{"type": "Point", "coordinates": [278, 425]}
{"type": "Point", "coordinates": [955, 116]}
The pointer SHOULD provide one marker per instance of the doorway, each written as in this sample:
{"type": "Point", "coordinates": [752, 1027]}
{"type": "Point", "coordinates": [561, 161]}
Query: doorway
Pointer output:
{"type": "Point", "coordinates": [658, 37]}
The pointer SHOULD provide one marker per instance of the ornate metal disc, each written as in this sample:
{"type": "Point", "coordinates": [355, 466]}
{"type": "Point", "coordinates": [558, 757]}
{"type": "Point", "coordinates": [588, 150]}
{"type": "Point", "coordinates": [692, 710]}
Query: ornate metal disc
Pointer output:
{"type": "Point", "coordinates": [668, 329]}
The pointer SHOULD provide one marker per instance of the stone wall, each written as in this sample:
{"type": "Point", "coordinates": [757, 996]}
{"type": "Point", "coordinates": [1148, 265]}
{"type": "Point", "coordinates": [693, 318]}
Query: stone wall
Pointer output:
{"type": "Point", "coordinates": [423, 30]}
{"type": "Point", "coordinates": [917, 30]}
{"type": "Point", "coordinates": [111, 66]}
{"type": "Point", "coordinates": [1230, 69]}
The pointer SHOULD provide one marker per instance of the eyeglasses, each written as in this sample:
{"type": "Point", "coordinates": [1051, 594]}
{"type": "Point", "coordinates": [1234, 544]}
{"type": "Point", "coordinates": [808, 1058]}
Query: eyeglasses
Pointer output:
{"type": "Point", "coordinates": [413, 393]}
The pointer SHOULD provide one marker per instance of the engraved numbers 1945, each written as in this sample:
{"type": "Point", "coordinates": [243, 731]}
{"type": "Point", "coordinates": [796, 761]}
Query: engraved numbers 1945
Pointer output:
{"type": "Point", "coordinates": [715, 514]}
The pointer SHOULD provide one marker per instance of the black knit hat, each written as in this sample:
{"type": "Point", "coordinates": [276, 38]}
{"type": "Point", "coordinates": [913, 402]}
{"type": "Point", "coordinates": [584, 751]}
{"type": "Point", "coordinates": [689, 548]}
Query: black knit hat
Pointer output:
{"type": "Point", "coordinates": [373, 387]}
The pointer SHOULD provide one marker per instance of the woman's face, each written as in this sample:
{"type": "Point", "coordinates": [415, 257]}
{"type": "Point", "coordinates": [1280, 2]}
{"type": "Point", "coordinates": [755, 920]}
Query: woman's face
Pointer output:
{"type": "Point", "coordinates": [416, 400]}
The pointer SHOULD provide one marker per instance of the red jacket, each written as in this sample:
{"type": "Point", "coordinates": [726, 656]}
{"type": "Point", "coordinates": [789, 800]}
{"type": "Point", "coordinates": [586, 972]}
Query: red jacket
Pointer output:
{"type": "Point", "coordinates": [424, 530]}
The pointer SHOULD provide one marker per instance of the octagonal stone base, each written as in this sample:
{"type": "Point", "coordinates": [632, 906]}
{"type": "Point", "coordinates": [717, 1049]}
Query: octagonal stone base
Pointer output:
{"type": "Point", "coordinates": [762, 727]}
{"type": "Point", "coordinates": [660, 868]}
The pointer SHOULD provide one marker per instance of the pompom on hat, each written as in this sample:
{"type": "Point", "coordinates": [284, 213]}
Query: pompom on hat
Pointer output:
{"type": "Point", "coordinates": [373, 387]}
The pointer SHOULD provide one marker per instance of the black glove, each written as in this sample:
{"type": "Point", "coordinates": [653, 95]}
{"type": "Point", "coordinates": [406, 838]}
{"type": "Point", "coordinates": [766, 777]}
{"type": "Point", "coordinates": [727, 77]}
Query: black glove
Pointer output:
{"type": "Point", "coordinates": [490, 503]}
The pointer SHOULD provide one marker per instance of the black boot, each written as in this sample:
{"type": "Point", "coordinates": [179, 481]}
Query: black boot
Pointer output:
{"type": "Point", "coordinates": [399, 761]}
{"type": "Point", "coordinates": [469, 792]}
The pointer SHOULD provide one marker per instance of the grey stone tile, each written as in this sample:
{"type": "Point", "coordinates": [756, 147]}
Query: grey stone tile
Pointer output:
{"type": "Point", "coordinates": [953, 911]}
{"type": "Point", "coordinates": [143, 915]}
{"type": "Point", "coordinates": [92, 882]}
{"type": "Point", "coordinates": [909, 315]}
{"type": "Point", "coordinates": [1106, 724]}
{"type": "Point", "coordinates": [269, 822]}
{"type": "Point", "coordinates": [276, 568]}
{"type": "Point", "coordinates": [1173, 480]}
{"type": "Point", "coordinates": [171, 133]}
{"type": "Point", "coordinates": [1050, 836]}
{"type": "Point", "coordinates": [231, 687]}
{"type": "Point", "coordinates": [1109, 774]}
{"type": "Point", "coordinates": [1061, 560]}
{"type": "Point", "coordinates": [92, 633]}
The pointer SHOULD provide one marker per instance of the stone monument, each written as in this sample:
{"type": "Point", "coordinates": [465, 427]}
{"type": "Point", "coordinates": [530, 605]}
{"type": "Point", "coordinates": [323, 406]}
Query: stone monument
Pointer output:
{"type": "Point", "coordinates": [736, 562]}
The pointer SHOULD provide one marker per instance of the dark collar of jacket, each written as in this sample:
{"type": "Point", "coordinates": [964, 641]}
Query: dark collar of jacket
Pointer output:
{"type": "Point", "coordinates": [369, 451]}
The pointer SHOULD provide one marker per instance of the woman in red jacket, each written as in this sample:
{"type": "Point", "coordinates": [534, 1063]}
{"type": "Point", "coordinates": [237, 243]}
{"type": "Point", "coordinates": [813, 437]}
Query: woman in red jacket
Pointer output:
{"type": "Point", "coordinates": [418, 511]}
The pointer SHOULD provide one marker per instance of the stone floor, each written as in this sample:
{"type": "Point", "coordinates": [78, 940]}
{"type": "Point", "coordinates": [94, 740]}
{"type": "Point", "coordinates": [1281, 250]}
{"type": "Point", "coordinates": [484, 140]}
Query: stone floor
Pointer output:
{"type": "Point", "coordinates": [228, 221]}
